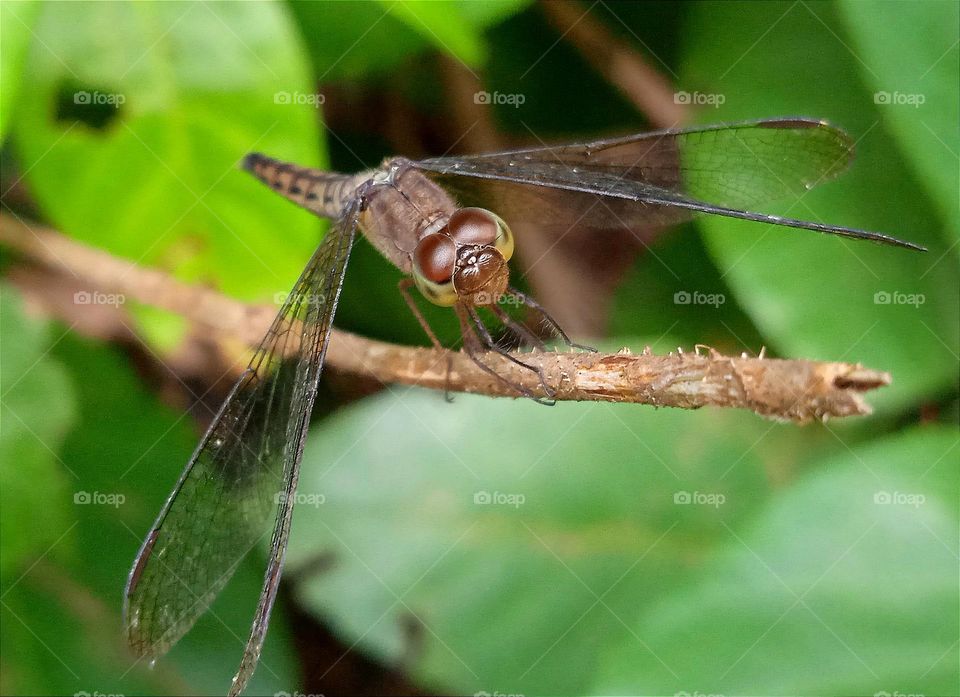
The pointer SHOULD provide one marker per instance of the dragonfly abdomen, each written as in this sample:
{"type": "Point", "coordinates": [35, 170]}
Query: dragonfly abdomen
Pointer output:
{"type": "Point", "coordinates": [324, 193]}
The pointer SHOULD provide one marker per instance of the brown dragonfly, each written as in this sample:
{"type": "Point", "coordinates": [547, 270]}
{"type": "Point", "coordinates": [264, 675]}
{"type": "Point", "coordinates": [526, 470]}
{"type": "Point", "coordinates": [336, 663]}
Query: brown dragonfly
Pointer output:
{"type": "Point", "coordinates": [426, 218]}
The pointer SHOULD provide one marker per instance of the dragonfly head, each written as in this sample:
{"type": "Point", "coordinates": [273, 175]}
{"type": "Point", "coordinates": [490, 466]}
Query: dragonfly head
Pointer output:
{"type": "Point", "coordinates": [466, 260]}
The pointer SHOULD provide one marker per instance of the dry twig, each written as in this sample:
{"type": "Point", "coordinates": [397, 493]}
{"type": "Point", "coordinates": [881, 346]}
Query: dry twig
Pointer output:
{"type": "Point", "coordinates": [622, 66]}
{"type": "Point", "coordinates": [794, 390]}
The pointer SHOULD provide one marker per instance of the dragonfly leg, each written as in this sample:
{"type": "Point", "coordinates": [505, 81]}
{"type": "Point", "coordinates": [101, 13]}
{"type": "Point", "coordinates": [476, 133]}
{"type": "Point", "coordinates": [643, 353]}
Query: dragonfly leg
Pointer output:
{"type": "Point", "coordinates": [474, 348]}
{"type": "Point", "coordinates": [534, 305]}
{"type": "Point", "coordinates": [490, 345]}
{"type": "Point", "coordinates": [519, 328]}
{"type": "Point", "coordinates": [404, 287]}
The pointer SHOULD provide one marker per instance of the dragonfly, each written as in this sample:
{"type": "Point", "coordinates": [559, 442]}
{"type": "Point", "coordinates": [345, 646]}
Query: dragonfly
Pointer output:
{"type": "Point", "coordinates": [434, 219]}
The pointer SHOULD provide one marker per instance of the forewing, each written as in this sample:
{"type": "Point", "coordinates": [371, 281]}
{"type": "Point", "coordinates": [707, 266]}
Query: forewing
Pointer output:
{"type": "Point", "coordinates": [657, 178]}
{"type": "Point", "coordinates": [735, 166]}
{"type": "Point", "coordinates": [308, 375]}
{"type": "Point", "coordinates": [244, 471]}
{"type": "Point", "coordinates": [738, 165]}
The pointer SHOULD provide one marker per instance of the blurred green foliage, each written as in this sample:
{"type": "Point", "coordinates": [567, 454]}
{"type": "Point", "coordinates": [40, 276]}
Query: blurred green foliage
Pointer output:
{"type": "Point", "coordinates": [540, 550]}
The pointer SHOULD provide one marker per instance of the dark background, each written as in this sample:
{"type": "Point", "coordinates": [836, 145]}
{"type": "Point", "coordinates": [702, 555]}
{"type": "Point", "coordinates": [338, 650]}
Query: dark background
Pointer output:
{"type": "Point", "coordinates": [819, 559]}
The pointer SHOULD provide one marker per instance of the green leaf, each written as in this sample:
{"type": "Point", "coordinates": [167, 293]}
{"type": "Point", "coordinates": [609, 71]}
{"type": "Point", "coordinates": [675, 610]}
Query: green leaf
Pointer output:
{"type": "Point", "coordinates": [16, 22]}
{"type": "Point", "coordinates": [845, 583]}
{"type": "Point", "coordinates": [36, 409]}
{"type": "Point", "coordinates": [374, 39]}
{"type": "Point", "coordinates": [657, 297]}
{"type": "Point", "coordinates": [811, 296]}
{"type": "Point", "coordinates": [366, 39]}
{"type": "Point", "coordinates": [435, 559]}
{"type": "Point", "coordinates": [492, 12]}
{"type": "Point", "coordinates": [445, 24]}
{"type": "Point", "coordinates": [132, 144]}
{"type": "Point", "coordinates": [910, 54]}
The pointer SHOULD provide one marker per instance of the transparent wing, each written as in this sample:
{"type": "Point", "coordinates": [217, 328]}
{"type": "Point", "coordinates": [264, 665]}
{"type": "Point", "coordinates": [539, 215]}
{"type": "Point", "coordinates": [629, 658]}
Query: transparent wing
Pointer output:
{"type": "Point", "coordinates": [723, 170]}
{"type": "Point", "coordinates": [244, 471]}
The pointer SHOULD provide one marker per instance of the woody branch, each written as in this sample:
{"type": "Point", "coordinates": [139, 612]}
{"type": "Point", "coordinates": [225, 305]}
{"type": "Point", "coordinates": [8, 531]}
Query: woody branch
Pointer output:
{"type": "Point", "coordinates": [792, 390]}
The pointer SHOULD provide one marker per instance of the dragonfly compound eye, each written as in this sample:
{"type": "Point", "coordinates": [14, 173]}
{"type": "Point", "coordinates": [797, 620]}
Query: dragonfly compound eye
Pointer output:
{"type": "Point", "coordinates": [434, 261]}
{"type": "Point", "coordinates": [478, 226]}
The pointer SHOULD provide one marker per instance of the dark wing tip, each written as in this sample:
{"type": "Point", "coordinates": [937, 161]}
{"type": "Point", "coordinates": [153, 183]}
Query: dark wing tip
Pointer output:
{"type": "Point", "coordinates": [794, 122]}
{"type": "Point", "coordinates": [886, 239]}
{"type": "Point", "coordinates": [803, 122]}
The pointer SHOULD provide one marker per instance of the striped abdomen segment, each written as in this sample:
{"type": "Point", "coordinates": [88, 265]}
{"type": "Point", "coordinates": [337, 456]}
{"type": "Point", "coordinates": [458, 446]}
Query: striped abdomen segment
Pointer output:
{"type": "Point", "coordinates": [324, 193]}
